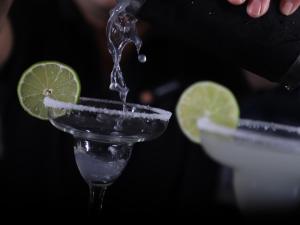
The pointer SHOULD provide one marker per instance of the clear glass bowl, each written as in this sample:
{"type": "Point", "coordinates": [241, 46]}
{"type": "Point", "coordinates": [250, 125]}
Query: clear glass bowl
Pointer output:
{"type": "Point", "coordinates": [265, 159]}
{"type": "Point", "coordinates": [105, 132]}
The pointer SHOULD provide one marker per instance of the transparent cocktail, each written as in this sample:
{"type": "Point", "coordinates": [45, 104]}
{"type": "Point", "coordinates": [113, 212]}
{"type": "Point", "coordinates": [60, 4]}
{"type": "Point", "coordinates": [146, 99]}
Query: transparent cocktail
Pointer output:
{"type": "Point", "coordinates": [105, 132]}
{"type": "Point", "coordinates": [265, 160]}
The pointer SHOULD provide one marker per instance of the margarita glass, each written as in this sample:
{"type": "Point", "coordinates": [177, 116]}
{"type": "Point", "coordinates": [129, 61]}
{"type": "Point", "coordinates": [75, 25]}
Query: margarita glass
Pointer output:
{"type": "Point", "coordinates": [105, 132]}
{"type": "Point", "coordinates": [265, 160]}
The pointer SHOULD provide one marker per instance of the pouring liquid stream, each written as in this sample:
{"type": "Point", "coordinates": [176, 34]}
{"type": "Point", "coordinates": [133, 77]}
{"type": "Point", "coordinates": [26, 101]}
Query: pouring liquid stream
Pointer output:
{"type": "Point", "coordinates": [121, 30]}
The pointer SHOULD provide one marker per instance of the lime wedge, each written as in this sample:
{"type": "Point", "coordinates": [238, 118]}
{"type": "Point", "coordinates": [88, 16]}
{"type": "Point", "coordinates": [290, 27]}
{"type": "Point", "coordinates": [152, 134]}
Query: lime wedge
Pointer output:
{"type": "Point", "coordinates": [42, 79]}
{"type": "Point", "coordinates": [206, 99]}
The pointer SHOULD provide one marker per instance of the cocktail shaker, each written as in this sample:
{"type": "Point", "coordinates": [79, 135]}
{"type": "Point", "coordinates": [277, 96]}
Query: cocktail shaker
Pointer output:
{"type": "Point", "coordinates": [268, 46]}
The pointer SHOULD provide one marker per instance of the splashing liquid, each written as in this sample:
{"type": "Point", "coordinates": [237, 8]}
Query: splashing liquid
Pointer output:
{"type": "Point", "coordinates": [121, 30]}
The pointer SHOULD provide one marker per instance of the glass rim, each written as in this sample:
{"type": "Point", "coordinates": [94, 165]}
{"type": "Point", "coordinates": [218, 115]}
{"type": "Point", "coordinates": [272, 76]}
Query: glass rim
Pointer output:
{"type": "Point", "coordinates": [158, 114]}
{"type": "Point", "coordinates": [205, 125]}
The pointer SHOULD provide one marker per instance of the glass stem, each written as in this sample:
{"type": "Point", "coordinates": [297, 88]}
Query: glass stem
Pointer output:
{"type": "Point", "coordinates": [96, 199]}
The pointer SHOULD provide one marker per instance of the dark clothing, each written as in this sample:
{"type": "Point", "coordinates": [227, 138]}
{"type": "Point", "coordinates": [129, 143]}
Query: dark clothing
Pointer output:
{"type": "Point", "coordinates": [268, 46]}
{"type": "Point", "coordinates": [38, 171]}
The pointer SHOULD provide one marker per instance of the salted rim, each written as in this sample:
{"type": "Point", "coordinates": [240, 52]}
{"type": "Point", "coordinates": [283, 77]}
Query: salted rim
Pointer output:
{"type": "Point", "coordinates": [161, 114]}
{"type": "Point", "coordinates": [205, 124]}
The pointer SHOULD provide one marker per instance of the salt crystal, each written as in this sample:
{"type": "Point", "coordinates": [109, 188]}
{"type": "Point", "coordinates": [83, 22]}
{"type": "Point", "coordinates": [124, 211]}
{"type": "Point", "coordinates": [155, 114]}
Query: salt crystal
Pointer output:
{"type": "Point", "coordinates": [158, 114]}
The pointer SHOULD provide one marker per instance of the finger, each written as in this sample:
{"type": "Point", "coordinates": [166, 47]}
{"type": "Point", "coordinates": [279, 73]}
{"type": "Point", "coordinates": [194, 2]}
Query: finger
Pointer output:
{"type": "Point", "coordinates": [257, 8]}
{"type": "Point", "coordinates": [288, 7]}
{"type": "Point", "coordinates": [236, 2]}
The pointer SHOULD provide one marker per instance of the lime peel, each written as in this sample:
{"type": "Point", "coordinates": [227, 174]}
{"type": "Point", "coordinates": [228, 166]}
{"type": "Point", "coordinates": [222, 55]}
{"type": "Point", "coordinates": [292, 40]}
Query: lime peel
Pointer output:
{"type": "Point", "coordinates": [206, 99]}
{"type": "Point", "coordinates": [48, 78]}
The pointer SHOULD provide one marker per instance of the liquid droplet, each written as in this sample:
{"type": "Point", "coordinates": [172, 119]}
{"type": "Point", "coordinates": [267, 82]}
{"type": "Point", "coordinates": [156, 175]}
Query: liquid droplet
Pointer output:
{"type": "Point", "coordinates": [142, 58]}
{"type": "Point", "coordinates": [287, 87]}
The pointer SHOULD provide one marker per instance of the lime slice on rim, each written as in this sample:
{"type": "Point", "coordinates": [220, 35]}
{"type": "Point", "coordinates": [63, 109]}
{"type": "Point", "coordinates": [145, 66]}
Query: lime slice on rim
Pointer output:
{"type": "Point", "coordinates": [206, 99]}
{"type": "Point", "coordinates": [42, 79]}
